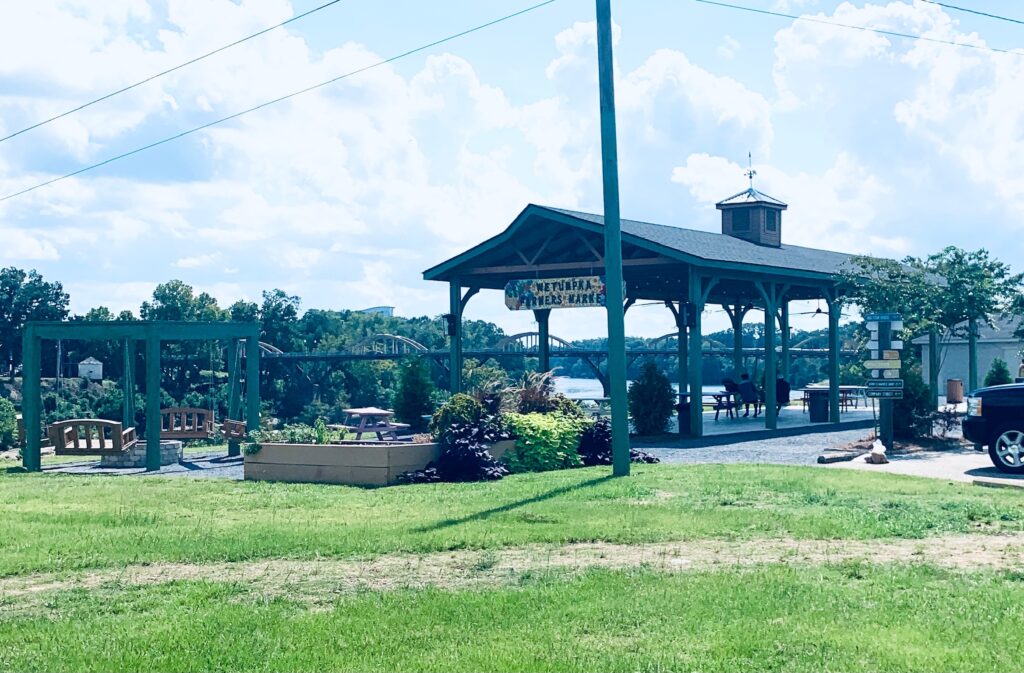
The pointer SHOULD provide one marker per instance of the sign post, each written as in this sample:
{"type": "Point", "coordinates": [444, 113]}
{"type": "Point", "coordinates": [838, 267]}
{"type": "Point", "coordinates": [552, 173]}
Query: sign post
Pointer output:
{"type": "Point", "coordinates": [884, 365]}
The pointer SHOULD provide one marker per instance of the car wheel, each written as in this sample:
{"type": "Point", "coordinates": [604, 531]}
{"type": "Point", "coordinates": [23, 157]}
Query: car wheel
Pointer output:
{"type": "Point", "coordinates": [1007, 450]}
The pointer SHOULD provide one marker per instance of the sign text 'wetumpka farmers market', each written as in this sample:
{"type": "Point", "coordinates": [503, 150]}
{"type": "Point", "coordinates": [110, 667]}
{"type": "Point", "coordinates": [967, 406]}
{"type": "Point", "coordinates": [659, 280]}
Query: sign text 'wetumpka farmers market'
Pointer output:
{"type": "Point", "coordinates": [539, 293]}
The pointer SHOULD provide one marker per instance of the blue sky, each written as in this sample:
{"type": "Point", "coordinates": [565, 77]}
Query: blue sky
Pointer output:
{"type": "Point", "coordinates": [343, 196]}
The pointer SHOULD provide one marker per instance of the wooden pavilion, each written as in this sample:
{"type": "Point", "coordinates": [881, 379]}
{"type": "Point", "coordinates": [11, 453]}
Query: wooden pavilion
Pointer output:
{"type": "Point", "coordinates": [746, 266]}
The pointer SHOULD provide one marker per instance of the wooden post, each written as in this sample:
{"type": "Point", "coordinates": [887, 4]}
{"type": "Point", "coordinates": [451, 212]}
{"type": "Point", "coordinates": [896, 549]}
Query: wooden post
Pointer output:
{"type": "Point", "coordinates": [770, 295]}
{"type": "Point", "coordinates": [128, 384]}
{"type": "Point", "coordinates": [612, 243]}
{"type": "Point", "coordinates": [455, 335]}
{"type": "Point", "coordinates": [543, 316]}
{"type": "Point", "coordinates": [736, 313]}
{"type": "Point", "coordinates": [32, 401]}
{"type": "Point", "coordinates": [252, 384]}
{"type": "Point", "coordinates": [834, 309]}
{"type": "Point", "coordinates": [152, 401]}
{"type": "Point", "coordinates": [886, 407]}
{"type": "Point", "coordinates": [934, 362]}
{"type": "Point", "coordinates": [234, 401]}
{"type": "Point", "coordinates": [696, 353]}
{"type": "Point", "coordinates": [737, 342]}
{"type": "Point", "coordinates": [771, 416]}
{"type": "Point", "coordinates": [682, 350]}
{"type": "Point", "coordinates": [784, 331]}
{"type": "Point", "coordinates": [972, 355]}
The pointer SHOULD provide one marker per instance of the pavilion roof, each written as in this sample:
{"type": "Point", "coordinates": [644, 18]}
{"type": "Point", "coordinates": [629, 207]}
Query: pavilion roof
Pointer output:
{"type": "Point", "coordinates": [702, 248]}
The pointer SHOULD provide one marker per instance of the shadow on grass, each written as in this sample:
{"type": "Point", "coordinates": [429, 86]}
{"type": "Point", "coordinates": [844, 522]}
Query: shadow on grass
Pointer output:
{"type": "Point", "coordinates": [554, 493]}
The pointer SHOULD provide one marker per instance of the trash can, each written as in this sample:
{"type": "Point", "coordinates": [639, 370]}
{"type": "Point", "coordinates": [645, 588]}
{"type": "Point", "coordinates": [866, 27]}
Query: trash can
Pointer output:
{"type": "Point", "coordinates": [954, 391]}
{"type": "Point", "coordinates": [817, 405]}
{"type": "Point", "coordinates": [684, 415]}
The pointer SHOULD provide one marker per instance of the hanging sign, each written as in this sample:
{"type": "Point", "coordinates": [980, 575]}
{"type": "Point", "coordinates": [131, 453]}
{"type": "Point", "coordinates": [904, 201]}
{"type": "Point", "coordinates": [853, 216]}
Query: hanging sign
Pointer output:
{"type": "Point", "coordinates": [885, 384]}
{"type": "Point", "coordinates": [539, 293]}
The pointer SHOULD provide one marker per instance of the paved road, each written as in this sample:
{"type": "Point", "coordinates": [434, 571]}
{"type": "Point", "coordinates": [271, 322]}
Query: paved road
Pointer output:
{"type": "Point", "coordinates": [796, 450]}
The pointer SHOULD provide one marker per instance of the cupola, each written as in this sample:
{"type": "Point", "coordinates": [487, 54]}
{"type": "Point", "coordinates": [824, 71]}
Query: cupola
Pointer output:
{"type": "Point", "coordinates": [753, 216]}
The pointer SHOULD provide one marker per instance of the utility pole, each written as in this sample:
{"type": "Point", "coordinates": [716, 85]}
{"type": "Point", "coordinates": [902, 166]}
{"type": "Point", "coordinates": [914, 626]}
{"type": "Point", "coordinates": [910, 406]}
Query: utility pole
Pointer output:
{"type": "Point", "coordinates": [612, 243]}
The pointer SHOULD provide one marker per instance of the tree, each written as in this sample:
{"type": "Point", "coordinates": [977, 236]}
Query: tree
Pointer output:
{"type": "Point", "coordinates": [8, 425]}
{"type": "Point", "coordinates": [280, 316]}
{"type": "Point", "coordinates": [998, 374]}
{"type": "Point", "coordinates": [25, 296]}
{"type": "Point", "coordinates": [948, 292]}
{"type": "Point", "coordinates": [244, 311]}
{"type": "Point", "coordinates": [172, 300]}
{"type": "Point", "coordinates": [412, 400]}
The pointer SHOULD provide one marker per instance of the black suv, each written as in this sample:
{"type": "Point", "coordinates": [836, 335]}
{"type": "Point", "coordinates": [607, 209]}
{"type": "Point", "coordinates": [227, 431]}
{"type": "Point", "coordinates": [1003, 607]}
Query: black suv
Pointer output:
{"type": "Point", "coordinates": [995, 418]}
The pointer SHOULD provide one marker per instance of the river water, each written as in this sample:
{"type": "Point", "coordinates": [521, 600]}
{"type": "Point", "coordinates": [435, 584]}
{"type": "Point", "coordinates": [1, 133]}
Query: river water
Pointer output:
{"type": "Point", "coordinates": [582, 389]}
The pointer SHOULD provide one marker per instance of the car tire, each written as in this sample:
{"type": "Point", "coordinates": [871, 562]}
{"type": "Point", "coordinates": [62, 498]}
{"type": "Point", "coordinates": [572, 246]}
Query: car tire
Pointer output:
{"type": "Point", "coordinates": [1006, 448]}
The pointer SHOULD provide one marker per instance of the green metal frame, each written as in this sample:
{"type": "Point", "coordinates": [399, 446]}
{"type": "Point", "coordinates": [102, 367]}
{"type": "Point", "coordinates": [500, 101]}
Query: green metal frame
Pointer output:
{"type": "Point", "coordinates": [152, 334]}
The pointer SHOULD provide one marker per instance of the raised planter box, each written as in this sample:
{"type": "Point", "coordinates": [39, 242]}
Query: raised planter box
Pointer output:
{"type": "Point", "coordinates": [369, 464]}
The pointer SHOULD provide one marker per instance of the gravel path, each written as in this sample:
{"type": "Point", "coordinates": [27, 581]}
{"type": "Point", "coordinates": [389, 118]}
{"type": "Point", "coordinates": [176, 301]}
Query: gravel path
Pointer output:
{"type": "Point", "coordinates": [796, 450]}
{"type": "Point", "coordinates": [195, 466]}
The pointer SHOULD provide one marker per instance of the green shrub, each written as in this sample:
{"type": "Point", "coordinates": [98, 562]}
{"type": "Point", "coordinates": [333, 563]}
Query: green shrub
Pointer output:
{"type": "Point", "coordinates": [413, 398]}
{"type": "Point", "coordinates": [999, 374]}
{"type": "Point", "coordinates": [8, 425]}
{"type": "Point", "coordinates": [912, 415]}
{"type": "Point", "coordinates": [461, 409]}
{"type": "Point", "coordinates": [543, 442]}
{"type": "Point", "coordinates": [568, 408]}
{"type": "Point", "coordinates": [651, 401]}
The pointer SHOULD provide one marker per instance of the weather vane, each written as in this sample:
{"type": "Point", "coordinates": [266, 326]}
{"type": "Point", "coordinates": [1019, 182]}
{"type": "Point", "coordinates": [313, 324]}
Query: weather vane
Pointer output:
{"type": "Point", "coordinates": [750, 172]}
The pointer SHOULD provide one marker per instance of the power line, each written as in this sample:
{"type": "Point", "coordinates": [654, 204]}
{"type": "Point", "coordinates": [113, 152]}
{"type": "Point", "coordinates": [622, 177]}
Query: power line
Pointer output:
{"type": "Point", "coordinates": [880, 31]}
{"type": "Point", "coordinates": [169, 70]}
{"type": "Point", "coordinates": [975, 11]}
{"type": "Point", "coordinates": [279, 99]}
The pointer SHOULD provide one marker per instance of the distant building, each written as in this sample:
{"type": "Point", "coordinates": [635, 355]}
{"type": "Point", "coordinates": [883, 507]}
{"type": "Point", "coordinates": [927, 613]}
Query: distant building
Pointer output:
{"type": "Point", "coordinates": [993, 343]}
{"type": "Point", "coordinates": [387, 311]}
{"type": "Point", "coordinates": [90, 368]}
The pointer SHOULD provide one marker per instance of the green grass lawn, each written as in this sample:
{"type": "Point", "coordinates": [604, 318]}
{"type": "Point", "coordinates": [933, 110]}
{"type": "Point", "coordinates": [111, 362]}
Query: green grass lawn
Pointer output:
{"type": "Point", "coordinates": [851, 616]}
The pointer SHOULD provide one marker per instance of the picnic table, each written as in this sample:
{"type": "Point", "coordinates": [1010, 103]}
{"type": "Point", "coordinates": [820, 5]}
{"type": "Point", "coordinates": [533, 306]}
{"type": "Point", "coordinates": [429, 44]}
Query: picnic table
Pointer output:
{"type": "Point", "coordinates": [848, 396]}
{"type": "Point", "coordinates": [373, 420]}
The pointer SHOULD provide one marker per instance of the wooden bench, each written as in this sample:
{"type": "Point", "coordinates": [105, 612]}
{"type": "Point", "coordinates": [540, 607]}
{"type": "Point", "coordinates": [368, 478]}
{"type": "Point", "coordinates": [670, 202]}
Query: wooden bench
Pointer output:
{"type": "Point", "coordinates": [91, 437]}
{"type": "Point", "coordinates": [233, 430]}
{"type": "Point", "coordinates": [186, 423]}
{"type": "Point", "coordinates": [45, 441]}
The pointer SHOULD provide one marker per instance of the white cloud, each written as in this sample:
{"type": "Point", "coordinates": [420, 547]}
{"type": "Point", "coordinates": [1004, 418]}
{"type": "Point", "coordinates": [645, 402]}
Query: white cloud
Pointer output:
{"type": "Point", "coordinates": [197, 261]}
{"type": "Point", "coordinates": [728, 47]}
{"type": "Point", "coordinates": [832, 210]}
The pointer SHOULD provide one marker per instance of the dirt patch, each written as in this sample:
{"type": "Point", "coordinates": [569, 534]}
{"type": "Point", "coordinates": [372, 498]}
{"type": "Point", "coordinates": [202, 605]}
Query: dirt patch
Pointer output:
{"type": "Point", "coordinates": [319, 582]}
{"type": "Point", "coordinates": [908, 446]}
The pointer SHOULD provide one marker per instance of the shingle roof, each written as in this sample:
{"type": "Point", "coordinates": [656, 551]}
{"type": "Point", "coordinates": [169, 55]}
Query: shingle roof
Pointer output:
{"type": "Point", "coordinates": [722, 248]}
{"type": "Point", "coordinates": [750, 196]}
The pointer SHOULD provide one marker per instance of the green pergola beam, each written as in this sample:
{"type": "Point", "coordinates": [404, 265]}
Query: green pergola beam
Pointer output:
{"type": "Point", "coordinates": [31, 404]}
{"type": "Point", "coordinates": [152, 403]}
{"type": "Point", "coordinates": [165, 330]}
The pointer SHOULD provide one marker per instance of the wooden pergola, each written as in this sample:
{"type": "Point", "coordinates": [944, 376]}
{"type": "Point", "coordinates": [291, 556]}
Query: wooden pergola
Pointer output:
{"type": "Point", "coordinates": [130, 334]}
{"type": "Point", "coordinates": [686, 269]}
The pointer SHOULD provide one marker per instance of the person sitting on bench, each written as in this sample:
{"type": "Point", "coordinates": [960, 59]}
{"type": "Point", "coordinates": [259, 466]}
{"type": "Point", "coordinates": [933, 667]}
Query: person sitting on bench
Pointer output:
{"type": "Point", "coordinates": [782, 391]}
{"type": "Point", "coordinates": [749, 395]}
